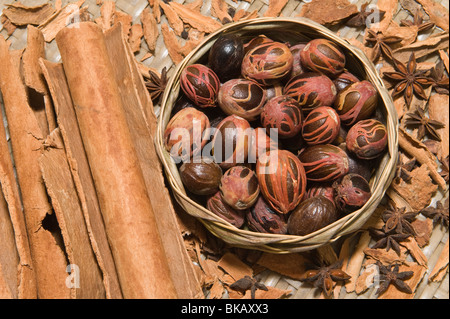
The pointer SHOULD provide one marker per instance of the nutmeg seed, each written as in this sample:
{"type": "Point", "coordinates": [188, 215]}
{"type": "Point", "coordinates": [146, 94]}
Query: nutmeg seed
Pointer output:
{"type": "Point", "coordinates": [201, 177]}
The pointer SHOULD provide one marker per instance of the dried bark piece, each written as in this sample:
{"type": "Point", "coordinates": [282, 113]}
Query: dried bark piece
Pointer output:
{"type": "Point", "coordinates": [445, 59]}
{"type": "Point", "coordinates": [195, 19]}
{"type": "Point", "coordinates": [439, 111]}
{"type": "Point", "coordinates": [386, 257]}
{"type": "Point", "coordinates": [150, 28]}
{"type": "Point", "coordinates": [233, 266]}
{"type": "Point", "coordinates": [424, 229]}
{"type": "Point", "coordinates": [418, 273]}
{"type": "Point", "coordinates": [290, 265]}
{"type": "Point", "coordinates": [9, 258]}
{"type": "Point", "coordinates": [21, 15]}
{"type": "Point", "coordinates": [79, 166]}
{"type": "Point", "coordinates": [48, 257]}
{"type": "Point", "coordinates": [415, 251]}
{"type": "Point", "coordinates": [220, 11]}
{"type": "Point", "coordinates": [35, 50]}
{"type": "Point", "coordinates": [65, 202]}
{"type": "Point", "coordinates": [154, 4]}
{"type": "Point", "coordinates": [130, 223]}
{"type": "Point", "coordinates": [432, 44]}
{"type": "Point", "coordinates": [195, 5]}
{"type": "Point", "coordinates": [7, 25]}
{"type": "Point", "coordinates": [125, 19]}
{"type": "Point", "coordinates": [142, 123]}
{"type": "Point", "coordinates": [136, 34]}
{"type": "Point", "coordinates": [275, 7]}
{"type": "Point", "coordinates": [107, 11]}
{"type": "Point", "coordinates": [420, 191]}
{"type": "Point", "coordinates": [61, 19]}
{"type": "Point", "coordinates": [437, 13]}
{"type": "Point", "coordinates": [354, 263]}
{"type": "Point", "coordinates": [390, 9]}
{"type": "Point", "coordinates": [408, 33]}
{"type": "Point", "coordinates": [417, 149]}
{"type": "Point", "coordinates": [366, 279]}
{"type": "Point", "coordinates": [172, 44]}
{"type": "Point", "coordinates": [328, 12]}
{"type": "Point", "coordinates": [21, 277]}
{"type": "Point", "coordinates": [441, 267]}
{"type": "Point", "coordinates": [172, 17]}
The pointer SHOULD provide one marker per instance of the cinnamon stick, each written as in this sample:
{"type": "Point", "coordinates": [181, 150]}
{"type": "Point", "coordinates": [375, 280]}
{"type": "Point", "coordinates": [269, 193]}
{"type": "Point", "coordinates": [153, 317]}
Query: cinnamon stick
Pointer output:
{"type": "Point", "coordinates": [49, 261]}
{"type": "Point", "coordinates": [129, 218]}
{"type": "Point", "coordinates": [138, 107]}
{"type": "Point", "coordinates": [84, 183]}
{"type": "Point", "coordinates": [9, 195]}
{"type": "Point", "coordinates": [86, 277]}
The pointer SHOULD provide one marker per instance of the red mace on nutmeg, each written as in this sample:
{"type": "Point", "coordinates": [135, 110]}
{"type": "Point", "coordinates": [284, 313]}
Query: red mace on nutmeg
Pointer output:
{"type": "Point", "coordinates": [282, 179]}
{"type": "Point", "coordinates": [323, 56]}
{"type": "Point", "coordinates": [200, 84]}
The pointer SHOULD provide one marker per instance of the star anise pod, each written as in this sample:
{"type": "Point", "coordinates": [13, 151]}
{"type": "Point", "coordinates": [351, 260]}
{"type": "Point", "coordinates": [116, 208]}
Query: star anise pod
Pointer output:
{"type": "Point", "coordinates": [391, 275]}
{"type": "Point", "coordinates": [398, 220]}
{"type": "Point", "coordinates": [424, 123]}
{"type": "Point", "coordinates": [248, 283]}
{"type": "Point", "coordinates": [381, 44]}
{"type": "Point", "coordinates": [409, 80]}
{"type": "Point", "coordinates": [387, 239]}
{"type": "Point", "coordinates": [440, 81]}
{"type": "Point", "coordinates": [156, 84]}
{"type": "Point", "coordinates": [418, 21]}
{"type": "Point", "coordinates": [403, 170]}
{"type": "Point", "coordinates": [359, 19]}
{"type": "Point", "coordinates": [323, 276]}
{"type": "Point", "coordinates": [444, 170]}
{"type": "Point", "coordinates": [439, 213]}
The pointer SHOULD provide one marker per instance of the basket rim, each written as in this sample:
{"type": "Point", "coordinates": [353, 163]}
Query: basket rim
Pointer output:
{"type": "Point", "coordinates": [287, 239]}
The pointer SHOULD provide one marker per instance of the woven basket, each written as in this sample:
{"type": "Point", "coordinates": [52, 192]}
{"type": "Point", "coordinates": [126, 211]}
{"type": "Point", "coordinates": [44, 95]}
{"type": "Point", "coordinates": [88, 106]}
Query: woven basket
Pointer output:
{"type": "Point", "coordinates": [292, 30]}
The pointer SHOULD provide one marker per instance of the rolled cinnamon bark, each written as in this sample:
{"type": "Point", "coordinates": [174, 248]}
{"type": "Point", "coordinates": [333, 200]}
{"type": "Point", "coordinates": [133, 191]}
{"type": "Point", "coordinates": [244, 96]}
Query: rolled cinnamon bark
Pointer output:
{"type": "Point", "coordinates": [49, 261]}
{"type": "Point", "coordinates": [130, 224]}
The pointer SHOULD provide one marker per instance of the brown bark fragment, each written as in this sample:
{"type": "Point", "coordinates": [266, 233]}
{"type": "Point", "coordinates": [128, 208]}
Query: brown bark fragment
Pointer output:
{"type": "Point", "coordinates": [196, 19]}
{"type": "Point", "coordinates": [438, 110]}
{"type": "Point", "coordinates": [172, 17]}
{"type": "Point", "coordinates": [150, 28]}
{"type": "Point", "coordinates": [437, 13]}
{"type": "Point", "coordinates": [291, 265]}
{"type": "Point", "coordinates": [440, 269]}
{"type": "Point", "coordinates": [328, 12]}
{"type": "Point", "coordinates": [26, 138]}
{"type": "Point", "coordinates": [34, 51]}
{"type": "Point", "coordinates": [21, 15]}
{"type": "Point", "coordinates": [275, 7]}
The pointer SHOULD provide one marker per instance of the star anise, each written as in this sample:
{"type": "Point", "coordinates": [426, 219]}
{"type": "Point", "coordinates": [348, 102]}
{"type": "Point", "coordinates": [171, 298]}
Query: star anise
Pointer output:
{"type": "Point", "coordinates": [444, 169]}
{"type": "Point", "coordinates": [359, 19]}
{"type": "Point", "coordinates": [387, 239]}
{"type": "Point", "coordinates": [424, 123]}
{"type": "Point", "coordinates": [248, 283]}
{"type": "Point", "coordinates": [440, 81]}
{"type": "Point", "coordinates": [323, 276]}
{"type": "Point", "coordinates": [391, 275]}
{"type": "Point", "coordinates": [398, 220]}
{"type": "Point", "coordinates": [418, 21]}
{"type": "Point", "coordinates": [439, 213]}
{"type": "Point", "coordinates": [156, 84]}
{"type": "Point", "coordinates": [403, 170]}
{"type": "Point", "coordinates": [381, 44]}
{"type": "Point", "coordinates": [409, 80]}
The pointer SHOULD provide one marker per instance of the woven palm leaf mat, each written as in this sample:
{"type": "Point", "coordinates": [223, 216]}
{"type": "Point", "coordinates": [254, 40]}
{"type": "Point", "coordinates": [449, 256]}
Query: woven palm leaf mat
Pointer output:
{"type": "Point", "coordinates": [427, 256]}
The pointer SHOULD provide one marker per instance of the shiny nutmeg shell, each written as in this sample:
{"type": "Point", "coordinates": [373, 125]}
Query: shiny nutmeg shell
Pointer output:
{"type": "Point", "coordinates": [282, 179]}
{"type": "Point", "coordinates": [310, 215]}
{"type": "Point", "coordinates": [262, 218]}
{"type": "Point", "coordinates": [367, 139]}
{"type": "Point", "coordinates": [239, 187]}
{"type": "Point", "coordinates": [351, 192]}
{"type": "Point", "coordinates": [184, 136]}
{"type": "Point", "coordinates": [322, 55]}
{"type": "Point", "coordinates": [284, 114]}
{"type": "Point", "coordinates": [324, 162]}
{"type": "Point", "coordinates": [311, 90]}
{"type": "Point", "coordinates": [201, 177]}
{"type": "Point", "coordinates": [321, 126]}
{"type": "Point", "coordinates": [218, 206]}
{"type": "Point", "coordinates": [200, 84]}
{"type": "Point", "coordinates": [225, 56]}
{"type": "Point", "coordinates": [267, 62]}
{"type": "Point", "coordinates": [356, 102]}
{"type": "Point", "coordinates": [231, 141]}
{"type": "Point", "coordinates": [242, 97]}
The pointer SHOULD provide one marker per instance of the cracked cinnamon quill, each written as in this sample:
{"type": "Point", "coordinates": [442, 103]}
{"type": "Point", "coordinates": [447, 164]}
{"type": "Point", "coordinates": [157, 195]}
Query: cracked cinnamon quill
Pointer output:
{"type": "Point", "coordinates": [131, 228]}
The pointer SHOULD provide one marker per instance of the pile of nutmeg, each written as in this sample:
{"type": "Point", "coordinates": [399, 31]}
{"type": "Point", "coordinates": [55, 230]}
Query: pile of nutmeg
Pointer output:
{"type": "Point", "coordinates": [277, 137]}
